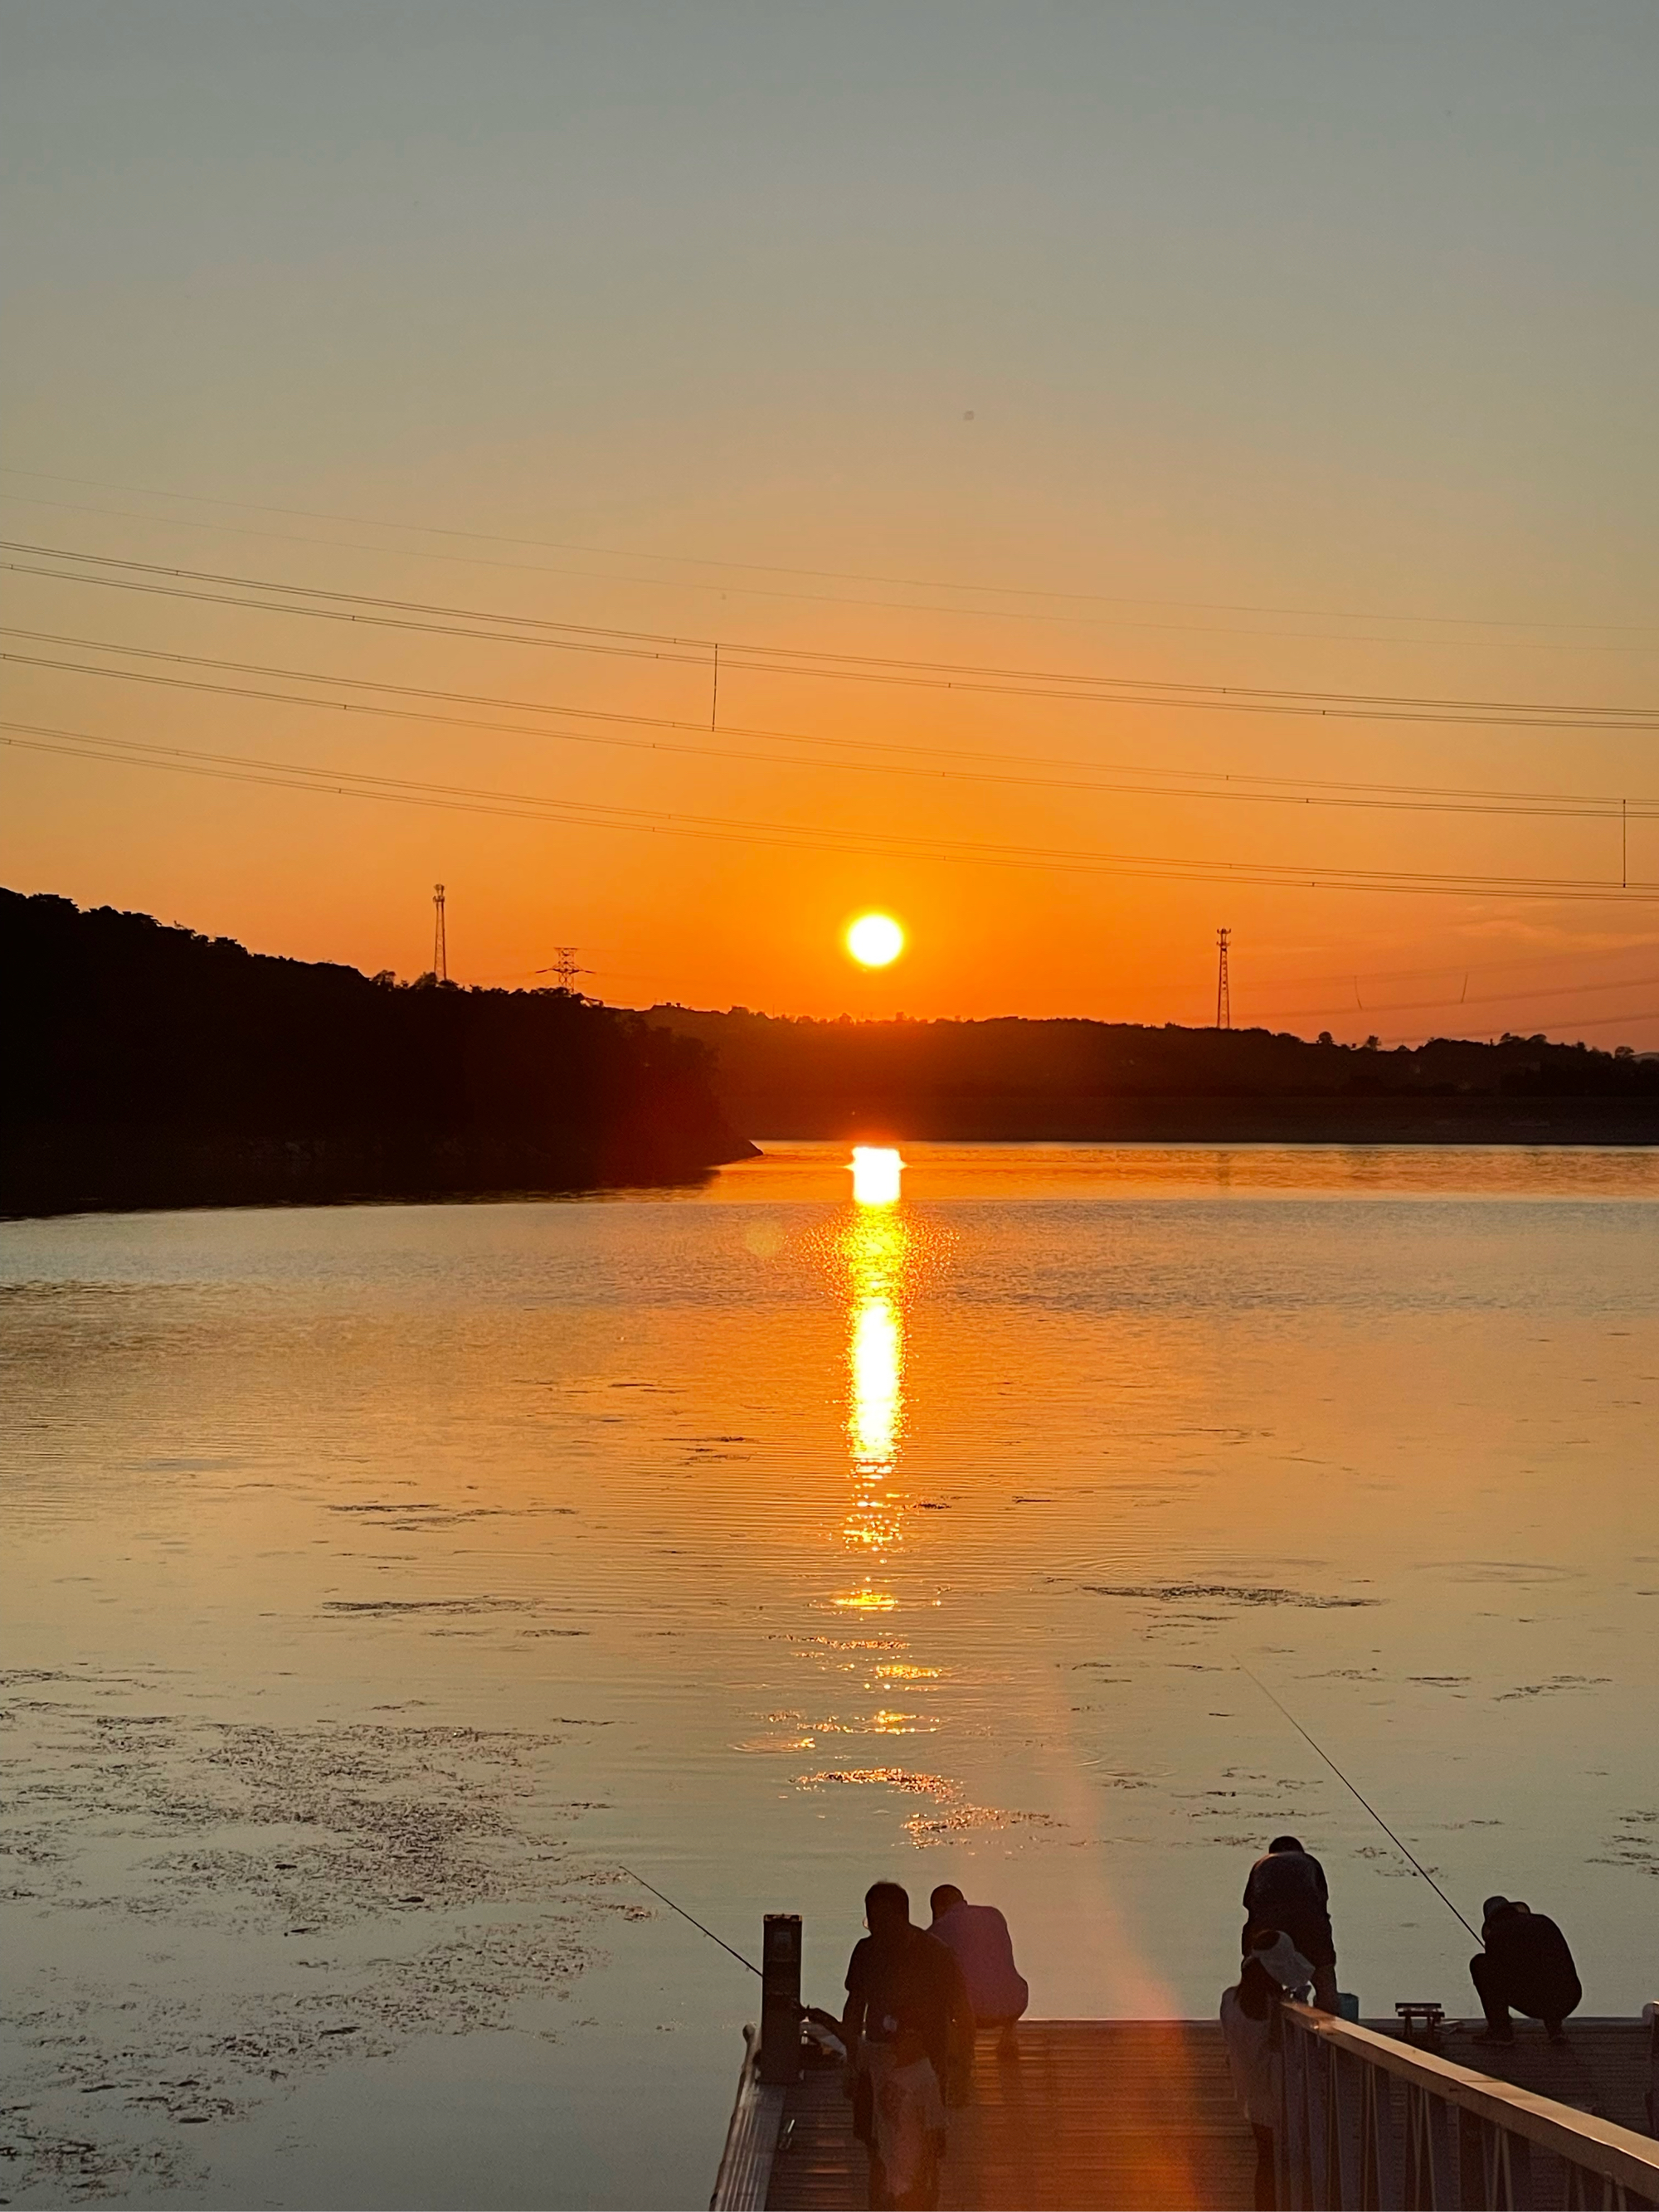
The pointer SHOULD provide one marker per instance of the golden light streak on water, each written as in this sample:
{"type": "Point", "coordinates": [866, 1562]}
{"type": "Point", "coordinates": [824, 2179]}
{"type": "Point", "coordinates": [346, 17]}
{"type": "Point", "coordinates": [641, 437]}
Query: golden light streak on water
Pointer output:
{"type": "Point", "coordinates": [875, 1362]}
{"type": "Point", "coordinates": [874, 1247]}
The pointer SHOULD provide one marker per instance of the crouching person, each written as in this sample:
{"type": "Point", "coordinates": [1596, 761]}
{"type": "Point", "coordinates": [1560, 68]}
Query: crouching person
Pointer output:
{"type": "Point", "coordinates": [997, 1991]}
{"type": "Point", "coordinates": [906, 2007]}
{"type": "Point", "coordinates": [1525, 1964]}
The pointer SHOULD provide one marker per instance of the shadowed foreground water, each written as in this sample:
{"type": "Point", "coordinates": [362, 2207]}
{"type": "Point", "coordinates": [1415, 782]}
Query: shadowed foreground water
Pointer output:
{"type": "Point", "coordinates": [382, 1580]}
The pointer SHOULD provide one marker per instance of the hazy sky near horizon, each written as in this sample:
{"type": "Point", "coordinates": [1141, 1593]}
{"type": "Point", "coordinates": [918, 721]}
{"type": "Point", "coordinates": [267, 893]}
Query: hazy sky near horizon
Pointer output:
{"type": "Point", "coordinates": [1301, 347]}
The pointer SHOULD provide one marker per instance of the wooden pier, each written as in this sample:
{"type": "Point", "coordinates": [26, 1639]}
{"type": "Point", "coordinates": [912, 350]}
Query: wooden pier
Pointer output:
{"type": "Point", "coordinates": [1086, 2112]}
{"type": "Point", "coordinates": [1109, 2113]}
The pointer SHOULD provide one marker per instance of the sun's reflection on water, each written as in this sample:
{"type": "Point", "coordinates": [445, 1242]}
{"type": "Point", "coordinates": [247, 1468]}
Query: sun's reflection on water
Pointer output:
{"type": "Point", "coordinates": [874, 1247]}
{"type": "Point", "coordinates": [876, 1408]}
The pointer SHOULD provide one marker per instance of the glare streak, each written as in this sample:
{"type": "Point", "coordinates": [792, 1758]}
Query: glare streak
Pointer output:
{"type": "Point", "coordinates": [874, 1246]}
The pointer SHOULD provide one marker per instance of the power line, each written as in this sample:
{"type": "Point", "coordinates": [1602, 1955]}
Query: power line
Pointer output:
{"type": "Point", "coordinates": [236, 767]}
{"type": "Point", "coordinates": [827, 575]}
{"type": "Point", "coordinates": [1520, 992]}
{"type": "Point", "coordinates": [909, 673]}
{"type": "Point", "coordinates": [1627, 1020]}
{"type": "Point", "coordinates": [1256, 789]}
{"type": "Point", "coordinates": [583, 637]}
{"type": "Point", "coordinates": [1601, 806]}
{"type": "Point", "coordinates": [724, 587]}
{"type": "Point", "coordinates": [1461, 967]}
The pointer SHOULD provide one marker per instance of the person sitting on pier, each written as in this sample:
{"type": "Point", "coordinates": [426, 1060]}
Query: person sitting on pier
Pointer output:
{"type": "Point", "coordinates": [979, 1935]}
{"type": "Point", "coordinates": [1274, 1970]}
{"type": "Point", "coordinates": [1526, 1963]}
{"type": "Point", "coordinates": [1286, 1890]}
{"type": "Point", "coordinates": [906, 2005]}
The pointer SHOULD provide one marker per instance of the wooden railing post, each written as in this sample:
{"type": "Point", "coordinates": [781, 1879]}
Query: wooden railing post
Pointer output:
{"type": "Point", "coordinates": [1291, 2161]}
{"type": "Point", "coordinates": [1379, 2163]}
{"type": "Point", "coordinates": [1347, 2157]}
{"type": "Point", "coordinates": [1428, 2151]}
{"type": "Point", "coordinates": [1322, 2115]}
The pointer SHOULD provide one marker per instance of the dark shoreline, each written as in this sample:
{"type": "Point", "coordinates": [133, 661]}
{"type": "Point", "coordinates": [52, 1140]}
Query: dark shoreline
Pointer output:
{"type": "Point", "coordinates": [47, 1175]}
{"type": "Point", "coordinates": [1426, 1121]}
{"type": "Point", "coordinates": [152, 1067]}
{"type": "Point", "coordinates": [1012, 1080]}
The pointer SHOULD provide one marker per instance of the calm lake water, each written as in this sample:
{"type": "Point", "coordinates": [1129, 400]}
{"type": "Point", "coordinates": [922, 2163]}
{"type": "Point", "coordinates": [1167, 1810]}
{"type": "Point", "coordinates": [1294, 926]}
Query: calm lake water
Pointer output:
{"type": "Point", "coordinates": [383, 1580]}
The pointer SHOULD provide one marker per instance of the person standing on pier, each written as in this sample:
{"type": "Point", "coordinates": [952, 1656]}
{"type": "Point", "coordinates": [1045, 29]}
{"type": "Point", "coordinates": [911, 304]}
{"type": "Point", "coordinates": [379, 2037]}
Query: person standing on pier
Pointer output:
{"type": "Point", "coordinates": [1286, 1890]}
{"type": "Point", "coordinates": [1525, 1963]}
{"type": "Point", "coordinates": [1274, 1969]}
{"type": "Point", "coordinates": [907, 2005]}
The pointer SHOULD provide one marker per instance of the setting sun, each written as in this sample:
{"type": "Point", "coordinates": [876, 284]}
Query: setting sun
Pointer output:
{"type": "Point", "coordinates": [876, 1172]}
{"type": "Point", "coordinates": [875, 940]}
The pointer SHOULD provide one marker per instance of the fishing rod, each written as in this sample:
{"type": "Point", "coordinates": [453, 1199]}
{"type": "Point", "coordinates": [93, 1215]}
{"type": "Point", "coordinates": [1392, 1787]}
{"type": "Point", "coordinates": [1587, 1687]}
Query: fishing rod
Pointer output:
{"type": "Point", "coordinates": [684, 1915]}
{"type": "Point", "coordinates": [805, 2011]}
{"type": "Point", "coordinates": [1406, 1854]}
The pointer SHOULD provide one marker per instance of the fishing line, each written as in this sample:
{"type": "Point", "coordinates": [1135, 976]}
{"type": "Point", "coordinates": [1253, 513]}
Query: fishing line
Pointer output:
{"type": "Point", "coordinates": [684, 1915]}
{"type": "Point", "coordinates": [805, 2011]}
{"type": "Point", "coordinates": [1404, 1851]}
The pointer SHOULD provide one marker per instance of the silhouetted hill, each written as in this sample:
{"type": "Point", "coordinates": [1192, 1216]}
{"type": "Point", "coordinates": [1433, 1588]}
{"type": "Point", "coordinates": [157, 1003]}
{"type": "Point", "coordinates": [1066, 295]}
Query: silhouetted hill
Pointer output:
{"type": "Point", "coordinates": [1117, 1081]}
{"type": "Point", "coordinates": [147, 1065]}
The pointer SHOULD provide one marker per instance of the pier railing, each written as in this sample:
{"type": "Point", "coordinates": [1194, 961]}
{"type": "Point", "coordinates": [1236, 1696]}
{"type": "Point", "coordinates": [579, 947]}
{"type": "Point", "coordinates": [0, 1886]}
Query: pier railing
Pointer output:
{"type": "Point", "coordinates": [751, 2137]}
{"type": "Point", "coordinates": [1373, 2124]}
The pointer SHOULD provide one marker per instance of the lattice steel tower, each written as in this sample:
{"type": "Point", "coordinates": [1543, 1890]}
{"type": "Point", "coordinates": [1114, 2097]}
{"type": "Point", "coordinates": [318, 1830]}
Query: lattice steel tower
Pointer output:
{"type": "Point", "coordinates": [440, 941]}
{"type": "Point", "coordinates": [1224, 1007]}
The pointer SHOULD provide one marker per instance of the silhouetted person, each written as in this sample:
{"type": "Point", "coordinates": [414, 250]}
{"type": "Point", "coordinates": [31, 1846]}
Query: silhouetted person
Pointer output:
{"type": "Point", "coordinates": [906, 2005]}
{"type": "Point", "coordinates": [1286, 1890]}
{"type": "Point", "coordinates": [1274, 1969]}
{"type": "Point", "coordinates": [978, 1935]}
{"type": "Point", "coordinates": [1525, 1964]}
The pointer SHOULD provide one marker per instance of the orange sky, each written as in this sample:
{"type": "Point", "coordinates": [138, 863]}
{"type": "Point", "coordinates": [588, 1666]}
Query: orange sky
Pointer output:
{"type": "Point", "coordinates": [1225, 347]}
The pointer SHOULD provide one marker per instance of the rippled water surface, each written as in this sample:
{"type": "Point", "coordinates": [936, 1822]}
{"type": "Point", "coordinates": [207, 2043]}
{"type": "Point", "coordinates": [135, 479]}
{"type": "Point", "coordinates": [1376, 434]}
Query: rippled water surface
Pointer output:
{"type": "Point", "coordinates": [382, 1581]}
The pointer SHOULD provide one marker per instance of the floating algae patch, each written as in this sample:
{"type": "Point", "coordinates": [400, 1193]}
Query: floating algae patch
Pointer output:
{"type": "Point", "coordinates": [1634, 1842]}
{"type": "Point", "coordinates": [206, 1912]}
{"type": "Point", "coordinates": [956, 1816]}
{"type": "Point", "coordinates": [1553, 1684]}
{"type": "Point", "coordinates": [957, 1821]}
{"type": "Point", "coordinates": [1225, 1594]}
{"type": "Point", "coordinates": [939, 1786]}
{"type": "Point", "coordinates": [418, 1517]}
{"type": "Point", "coordinates": [393, 1608]}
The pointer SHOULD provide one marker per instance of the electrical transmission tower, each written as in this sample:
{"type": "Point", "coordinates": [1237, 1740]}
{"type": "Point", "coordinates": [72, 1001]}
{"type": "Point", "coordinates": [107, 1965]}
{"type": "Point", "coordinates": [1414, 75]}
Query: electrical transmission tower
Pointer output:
{"type": "Point", "coordinates": [440, 941]}
{"type": "Point", "coordinates": [1224, 1004]}
{"type": "Point", "coordinates": [565, 969]}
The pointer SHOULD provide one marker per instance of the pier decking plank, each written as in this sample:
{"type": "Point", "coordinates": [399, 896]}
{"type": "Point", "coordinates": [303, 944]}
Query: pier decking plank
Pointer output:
{"type": "Point", "coordinates": [1091, 2113]}
{"type": "Point", "coordinates": [1106, 2113]}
